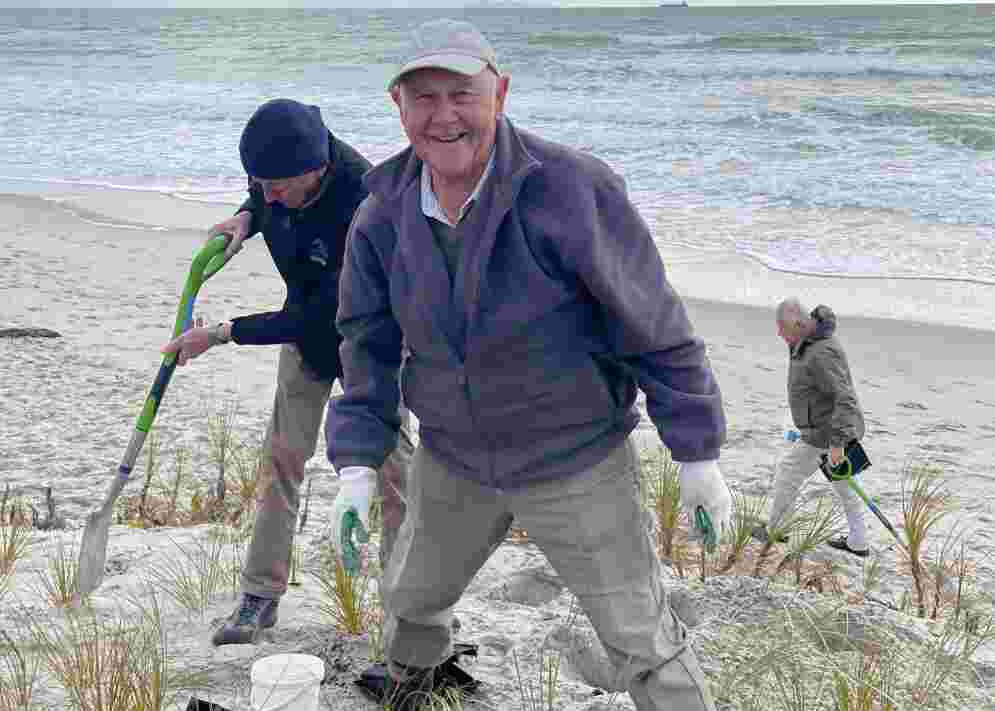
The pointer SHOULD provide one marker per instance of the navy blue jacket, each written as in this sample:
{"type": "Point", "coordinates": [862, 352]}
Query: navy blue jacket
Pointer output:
{"type": "Point", "coordinates": [307, 247]}
{"type": "Point", "coordinates": [525, 366]}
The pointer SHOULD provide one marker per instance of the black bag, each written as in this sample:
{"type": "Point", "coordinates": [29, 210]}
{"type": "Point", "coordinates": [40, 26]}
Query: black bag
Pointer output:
{"type": "Point", "coordinates": [448, 675]}
{"type": "Point", "coordinates": [196, 704]}
{"type": "Point", "coordinates": [855, 457]}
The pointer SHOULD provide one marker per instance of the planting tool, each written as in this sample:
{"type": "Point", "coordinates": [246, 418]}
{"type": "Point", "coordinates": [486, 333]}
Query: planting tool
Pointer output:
{"type": "Point", "coordinates": [351, 523]}
{"type": "Point", "coordinates": [703, 522]}
{"type": "Point", "coordinates": [844, 472]}
{"type": "Point", "coordinates": [93, 546]}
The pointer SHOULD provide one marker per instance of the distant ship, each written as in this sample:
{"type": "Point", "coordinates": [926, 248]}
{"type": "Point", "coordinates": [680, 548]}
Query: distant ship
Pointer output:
{"type": "Point", "coordinates": [682, 3]}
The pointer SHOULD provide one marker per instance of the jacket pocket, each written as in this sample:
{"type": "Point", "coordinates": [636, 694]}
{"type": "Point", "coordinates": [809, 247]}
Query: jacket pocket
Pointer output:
{"type": "Point", "coordinates": [547, 395]}
{"type": "Point", "coordinates": [437, 396]}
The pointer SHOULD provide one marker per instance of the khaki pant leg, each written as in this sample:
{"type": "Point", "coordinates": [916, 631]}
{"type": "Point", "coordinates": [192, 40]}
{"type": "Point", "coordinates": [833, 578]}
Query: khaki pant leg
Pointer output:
{"type": "Point", "coordinates": [799, 463]}
{"type": "Point", "coordinates": [291, 438]}
{"type": "Point", "coordinates": [392, 480]}
{"type": "Point", "coordinates": [451, 527]}
{"type": "Point", "coordinates": [592, 529]}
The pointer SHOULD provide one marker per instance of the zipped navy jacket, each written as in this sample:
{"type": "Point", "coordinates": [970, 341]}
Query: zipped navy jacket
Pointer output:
{"type": "Point", "coordinates": [307, 247]}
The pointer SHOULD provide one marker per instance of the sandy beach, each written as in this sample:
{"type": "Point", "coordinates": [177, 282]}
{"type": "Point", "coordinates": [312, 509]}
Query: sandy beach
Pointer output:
{"type": "Point", "coordinates": [104, 269]}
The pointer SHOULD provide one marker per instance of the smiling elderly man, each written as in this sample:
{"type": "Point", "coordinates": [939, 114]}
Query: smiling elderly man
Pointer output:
{"type": "Point", "coordinates": [532, 302]}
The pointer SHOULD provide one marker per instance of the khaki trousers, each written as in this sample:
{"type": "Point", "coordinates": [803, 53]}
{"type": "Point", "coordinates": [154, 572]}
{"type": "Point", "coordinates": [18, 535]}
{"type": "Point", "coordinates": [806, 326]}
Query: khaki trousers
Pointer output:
{"type": "Point", "coordinates": [799, 463]}
{"type": "Point", "coordinates": [291, 437]}
{"type": "Point", "coordinates": [592, 529]}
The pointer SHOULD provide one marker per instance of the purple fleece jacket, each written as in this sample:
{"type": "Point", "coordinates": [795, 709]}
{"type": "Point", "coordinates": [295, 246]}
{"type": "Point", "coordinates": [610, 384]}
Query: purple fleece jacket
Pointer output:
{"type": "Point", "coordinates": [524, 366]}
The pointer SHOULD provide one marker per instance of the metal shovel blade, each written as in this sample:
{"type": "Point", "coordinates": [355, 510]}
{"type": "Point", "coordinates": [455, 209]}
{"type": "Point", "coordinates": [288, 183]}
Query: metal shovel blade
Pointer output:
{"type": "Point", "coordinates": [93, 552]}
{"type": "Point", "coordinates": [93, 545]}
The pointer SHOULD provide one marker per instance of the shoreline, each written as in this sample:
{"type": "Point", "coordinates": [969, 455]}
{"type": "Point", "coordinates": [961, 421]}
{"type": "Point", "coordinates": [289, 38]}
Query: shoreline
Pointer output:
{"type": "Point", "coordinates": [719, 277]}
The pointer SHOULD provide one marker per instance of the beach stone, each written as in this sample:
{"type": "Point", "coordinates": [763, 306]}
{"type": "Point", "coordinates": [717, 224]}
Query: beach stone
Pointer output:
{"type": "Point", "coordinates": [29, 333]}
{"type": "Point", "coordinates": [533, 587]}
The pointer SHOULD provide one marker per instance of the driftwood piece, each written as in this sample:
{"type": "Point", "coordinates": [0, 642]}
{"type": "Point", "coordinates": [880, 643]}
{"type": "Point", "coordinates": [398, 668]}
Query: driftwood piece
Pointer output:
{"type": "Point", "coordinates": [29, 333]}
{"type": "Point", "coordinates": [52, 519]}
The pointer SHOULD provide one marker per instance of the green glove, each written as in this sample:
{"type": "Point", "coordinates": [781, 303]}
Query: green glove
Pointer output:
{"type": "Point", "coordinates": [703, 522]}
{"type": "Point", "coordinates": [351, 523]}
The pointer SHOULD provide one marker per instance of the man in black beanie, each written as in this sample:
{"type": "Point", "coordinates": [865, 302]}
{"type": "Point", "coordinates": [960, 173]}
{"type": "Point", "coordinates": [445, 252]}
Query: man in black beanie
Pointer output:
{"type": "Point", "coordinates": [304, 186]}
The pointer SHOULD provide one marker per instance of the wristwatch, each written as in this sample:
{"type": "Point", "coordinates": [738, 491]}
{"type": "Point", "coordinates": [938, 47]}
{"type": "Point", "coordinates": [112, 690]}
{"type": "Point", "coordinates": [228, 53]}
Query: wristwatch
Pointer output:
{"type": "Point", "coordinates": [219, 334]}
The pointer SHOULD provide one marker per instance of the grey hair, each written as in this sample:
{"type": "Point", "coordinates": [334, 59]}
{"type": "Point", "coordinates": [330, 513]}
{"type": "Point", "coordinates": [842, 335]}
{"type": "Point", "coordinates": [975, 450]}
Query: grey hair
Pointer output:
{"type": "Point", "coordinates": [791, 310]}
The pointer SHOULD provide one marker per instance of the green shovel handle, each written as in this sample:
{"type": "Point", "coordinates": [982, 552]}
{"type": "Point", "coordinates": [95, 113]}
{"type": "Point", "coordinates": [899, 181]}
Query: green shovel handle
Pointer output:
{"type": "Point", "coordinates": [208, 260]}
{"type": "Point", "coordinates": [206, 263]}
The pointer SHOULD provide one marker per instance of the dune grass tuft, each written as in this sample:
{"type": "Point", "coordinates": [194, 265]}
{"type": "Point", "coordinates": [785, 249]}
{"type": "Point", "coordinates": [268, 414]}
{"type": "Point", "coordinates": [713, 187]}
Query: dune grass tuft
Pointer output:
{"type": "Point", "coordinates": [810, 530]}
{"type": "Point", "coordinates": [15, 543]}
{"type": "Point", "coordinates": [925, 502]}
{"type": "Point", "coordinates": [747, 512]}
{"type": "Point", "coordinates": [193, 574]}
{"type": "Point", "coordinates": [113, 663]}
{"type": "Point", "coordinates": [60, 579]}
{"type": "Point", "coordinates": [346, 600]}
{"type": "Point", "coordinates": [19, 668]}
{"type": "Point", "coordinates": [540, 694]}
{"type": "Point", "coordinates": [661, 490]}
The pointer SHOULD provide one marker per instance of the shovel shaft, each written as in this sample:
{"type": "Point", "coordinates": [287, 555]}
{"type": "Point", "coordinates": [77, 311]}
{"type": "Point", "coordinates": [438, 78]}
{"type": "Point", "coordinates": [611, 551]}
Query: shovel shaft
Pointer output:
{"type": "Point", "coordinates": [852, 483]}
{"type": "Point", "coordinates": [93, 545]}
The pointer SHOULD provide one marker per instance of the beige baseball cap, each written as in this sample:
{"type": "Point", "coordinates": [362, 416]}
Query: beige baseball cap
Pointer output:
{"type": "Point", "coordinates": [447, 44]}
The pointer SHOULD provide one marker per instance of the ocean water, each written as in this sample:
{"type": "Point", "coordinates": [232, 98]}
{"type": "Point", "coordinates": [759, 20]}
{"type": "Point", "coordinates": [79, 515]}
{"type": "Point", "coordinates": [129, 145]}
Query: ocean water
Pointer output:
{"type": "Point", "coordinates": [852, 145]}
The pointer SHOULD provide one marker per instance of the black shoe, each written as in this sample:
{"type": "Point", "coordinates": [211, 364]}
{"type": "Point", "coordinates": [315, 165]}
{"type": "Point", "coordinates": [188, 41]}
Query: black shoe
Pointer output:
{"type": "Point", "coordinates": [841, 544]}
{"type": "Point", "coordinates": [449, 676]}
{"type": "Point", "coordinates": [412, 694]}
{"type": "Point", "coordinates": [252, 615]}
{"type": "Point", "coordinates": [761, 534]}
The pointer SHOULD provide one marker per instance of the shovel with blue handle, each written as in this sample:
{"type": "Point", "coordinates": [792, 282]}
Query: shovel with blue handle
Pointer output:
{"type": "Point", "coordinates": [93, 545]}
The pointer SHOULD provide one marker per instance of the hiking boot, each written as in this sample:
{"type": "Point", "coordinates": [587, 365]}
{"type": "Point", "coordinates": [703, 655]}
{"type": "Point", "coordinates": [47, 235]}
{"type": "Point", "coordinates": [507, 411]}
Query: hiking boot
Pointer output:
{"type": "Point", "coordinates": [841, 544]}
{"type": "Point", "coordinates": [761, 534]}
{"type": "Point", "coordinates": [412, 694]}
{"type": "Point", "coordinates": [244, 624]}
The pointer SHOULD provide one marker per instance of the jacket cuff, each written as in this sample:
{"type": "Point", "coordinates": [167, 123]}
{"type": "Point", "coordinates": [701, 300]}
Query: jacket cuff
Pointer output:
{"type": "Point", "coordinates": [343, 462]}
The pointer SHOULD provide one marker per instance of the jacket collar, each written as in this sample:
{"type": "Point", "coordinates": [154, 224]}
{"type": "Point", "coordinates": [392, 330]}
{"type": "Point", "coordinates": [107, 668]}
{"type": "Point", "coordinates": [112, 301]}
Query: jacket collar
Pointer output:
{"type": "Point", "coordinates": [512, 162]}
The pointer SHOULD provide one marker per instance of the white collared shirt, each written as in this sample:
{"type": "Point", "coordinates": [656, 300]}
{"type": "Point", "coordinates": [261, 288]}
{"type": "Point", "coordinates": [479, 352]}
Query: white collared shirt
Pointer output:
{"type": "Point", "coordinates": [430, 206]}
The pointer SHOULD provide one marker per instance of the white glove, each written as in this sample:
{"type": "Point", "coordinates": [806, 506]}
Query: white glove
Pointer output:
{"type": "Point", "coordinates": [702, 485]}
{"type": "Point", "coordinates": [356, 490]}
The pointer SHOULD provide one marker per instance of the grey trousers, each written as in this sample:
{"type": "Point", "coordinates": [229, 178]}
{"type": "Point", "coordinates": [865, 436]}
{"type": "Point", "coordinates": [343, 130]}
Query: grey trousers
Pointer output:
{"type": "Point", "coordinates": [592, 529]}
{"type": "Point", "coordinates": [291, 437]}
{"type": "Point", "coordinates": [799, 463]}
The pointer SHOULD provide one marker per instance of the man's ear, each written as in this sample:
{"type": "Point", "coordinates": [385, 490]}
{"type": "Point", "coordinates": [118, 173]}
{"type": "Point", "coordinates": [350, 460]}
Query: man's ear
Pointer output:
{"type": "Point", "coordinates": [395, 95]}
{"type": "Point", "coordinates": [503, 82]}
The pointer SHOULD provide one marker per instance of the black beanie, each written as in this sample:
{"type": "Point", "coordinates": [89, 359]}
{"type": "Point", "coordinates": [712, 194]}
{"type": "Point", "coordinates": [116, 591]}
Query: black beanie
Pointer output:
{"type": "Point", "coordinates": [283, 139]}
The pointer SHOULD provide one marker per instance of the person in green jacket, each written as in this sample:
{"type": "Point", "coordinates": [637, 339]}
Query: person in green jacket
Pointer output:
{"type": "Point", "coordinates": [825, 411]}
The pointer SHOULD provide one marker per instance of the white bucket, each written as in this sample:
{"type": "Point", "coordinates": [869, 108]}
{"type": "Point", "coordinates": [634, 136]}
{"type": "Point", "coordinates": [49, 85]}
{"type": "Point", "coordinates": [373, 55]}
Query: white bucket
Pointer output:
{"type": "Point", "coordinates": [286, 682]}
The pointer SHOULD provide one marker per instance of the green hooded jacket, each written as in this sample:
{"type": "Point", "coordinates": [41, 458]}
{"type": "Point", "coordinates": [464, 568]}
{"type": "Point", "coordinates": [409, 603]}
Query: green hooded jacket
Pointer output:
{"type": "Point", "coordinates": [823, 401]}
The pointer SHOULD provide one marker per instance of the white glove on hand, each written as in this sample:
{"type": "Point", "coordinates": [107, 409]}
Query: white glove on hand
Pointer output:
{"type": "Point", "coordinates": [356, 490]}
{"type": "Point", "coordinates": [702, 485]}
